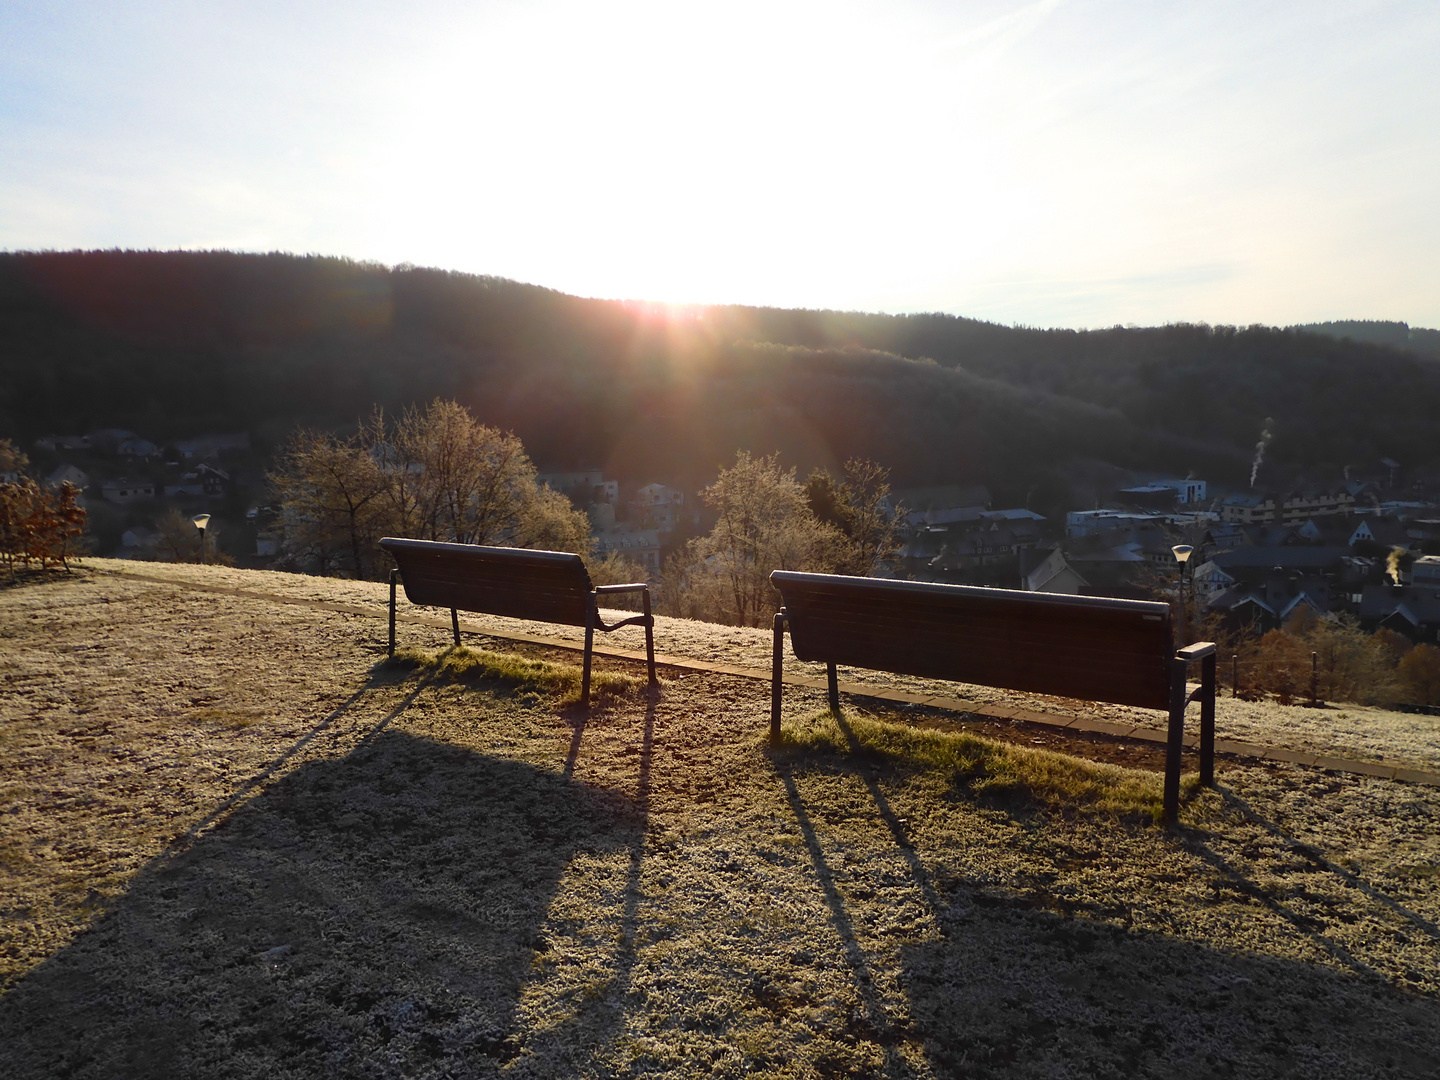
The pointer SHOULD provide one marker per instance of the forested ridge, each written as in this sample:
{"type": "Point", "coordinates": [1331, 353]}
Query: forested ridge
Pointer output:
{"type": "Point", "coordinates": [172, 344]}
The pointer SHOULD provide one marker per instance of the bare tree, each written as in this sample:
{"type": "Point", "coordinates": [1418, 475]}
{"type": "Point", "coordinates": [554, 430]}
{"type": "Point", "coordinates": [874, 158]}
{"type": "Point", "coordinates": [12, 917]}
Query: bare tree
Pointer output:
{"type": "Point", "coordinates": [857, 506]}
{"type": "Point", "coordinates": [333, 494]}
{"type": "Point", "coordinates": [765, 523]}
{"type": "Point", "coordinates": [436, 474]}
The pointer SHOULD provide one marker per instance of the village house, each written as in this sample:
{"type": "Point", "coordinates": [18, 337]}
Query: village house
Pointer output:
{"type": "Point", "coordinates": [63, 442]}
{"type": "Point", "coordinates": [1272, 600]}
{"type": "Point", "coordinates": [640, 546]}
{"type": "Point", "coordinates": [138, 448]}
{"type": "Point", "coordinates": [582, 487]}
{"type": "Point", "coordinates": [124, 490]}
{"type": "Point", "coordinates": [68, 474]}
{"type": "Point", "coordinates": [657, 506]}
{"type": "Point", "coordinates": [137, 542]}
{"type": "Point", "coordinates": [204, 481]}
{"type": "Point", "coordinates": [1051, 574]}
{"type": "Point", "coordinates": [210, 447]}
{"type": "Point", "coordinates": [1411, 610]}
{"type": "Point", "coordinates": [1247, 509]}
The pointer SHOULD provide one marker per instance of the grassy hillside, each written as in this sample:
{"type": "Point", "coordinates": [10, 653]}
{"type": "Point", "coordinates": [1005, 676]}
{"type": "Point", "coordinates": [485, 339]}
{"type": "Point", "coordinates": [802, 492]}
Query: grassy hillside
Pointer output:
{"type": "Point", "coordinates": [235, 844]}
{"type": "Point", "coordinates": [173, 343]}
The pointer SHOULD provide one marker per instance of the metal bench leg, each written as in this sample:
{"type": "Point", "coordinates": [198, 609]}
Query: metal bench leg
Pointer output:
{"type": "Point", "coordinates": [589, 643]}
{"type": "Point", "coordinates": [394, 574]}
{"type": "Point", "coordinates": [833, 681]}
{"type": "Point", "coordinates": [777, 664]}
{"type": "Point", "coordinates": [455, 625]}
{"type": "Point", "coordinates": [1207, 721]}
{"type": "Point", "coordinates": [649, 636]}
{"type": "Point", "coordinates": [1175, 744]}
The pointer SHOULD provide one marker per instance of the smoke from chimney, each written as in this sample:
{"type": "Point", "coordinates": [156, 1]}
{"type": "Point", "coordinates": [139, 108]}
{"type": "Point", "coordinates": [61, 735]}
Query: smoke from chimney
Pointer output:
{"type": "Point", "coordinates": [1265, 437]}
{"type": "Point", "coordinates": [1392, 564]}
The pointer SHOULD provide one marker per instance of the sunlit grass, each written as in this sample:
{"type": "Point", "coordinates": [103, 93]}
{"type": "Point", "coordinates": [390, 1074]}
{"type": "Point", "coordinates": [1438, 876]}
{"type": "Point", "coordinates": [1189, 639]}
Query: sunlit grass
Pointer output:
{"type": "Point", "coordinates": [1055, 781]}
{"type": "Point", "coordinates": [463, 664]}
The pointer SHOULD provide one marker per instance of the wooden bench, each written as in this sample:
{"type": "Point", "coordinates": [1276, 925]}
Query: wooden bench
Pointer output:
{"type": "Point", "coordinates": [544, 586]}
{"type": "Point", "coordinates": [1087, 647]}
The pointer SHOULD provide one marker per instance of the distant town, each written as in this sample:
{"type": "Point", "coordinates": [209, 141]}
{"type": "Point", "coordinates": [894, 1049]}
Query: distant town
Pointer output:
{"type": "Point", "coordinates": [1367, 545]}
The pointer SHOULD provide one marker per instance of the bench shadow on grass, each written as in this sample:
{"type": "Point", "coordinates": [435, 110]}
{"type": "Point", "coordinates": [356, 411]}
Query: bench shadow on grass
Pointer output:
{"type": "Point", "coordinates": [1016, 984]}
{"type": "Point", "coordinates": [375, 914]}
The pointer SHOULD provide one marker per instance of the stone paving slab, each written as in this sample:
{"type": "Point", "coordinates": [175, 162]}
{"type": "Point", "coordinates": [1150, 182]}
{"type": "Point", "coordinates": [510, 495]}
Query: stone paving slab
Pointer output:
{"type": "Point", "coordinates": [997, 712]}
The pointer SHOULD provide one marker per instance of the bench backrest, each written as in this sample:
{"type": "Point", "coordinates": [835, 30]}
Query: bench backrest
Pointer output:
{"type": "Point", "coordinates": [1086, 647]}
{"type": "Point", "coordinates": [547, 586]}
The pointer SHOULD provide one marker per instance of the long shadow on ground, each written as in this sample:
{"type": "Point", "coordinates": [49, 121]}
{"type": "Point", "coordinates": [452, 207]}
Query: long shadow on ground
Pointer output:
{"type": "Point", "coordinates": [1018, 982]}
{"type": "Point", "coordinates": [374, 915]}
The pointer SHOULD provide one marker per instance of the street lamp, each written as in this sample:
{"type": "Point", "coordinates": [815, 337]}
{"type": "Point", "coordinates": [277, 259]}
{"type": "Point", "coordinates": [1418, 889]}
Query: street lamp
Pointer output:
{"type": "Point", "coordinates": [1182, 553]}
{"type": "Point", "coordinates": [201, 520]}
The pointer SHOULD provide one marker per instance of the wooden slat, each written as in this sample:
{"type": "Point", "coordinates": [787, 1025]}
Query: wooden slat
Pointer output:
{"type": "Point", "coordinates": [1086, 647]}
{"type": "Point", "coordinates": [547, 586]}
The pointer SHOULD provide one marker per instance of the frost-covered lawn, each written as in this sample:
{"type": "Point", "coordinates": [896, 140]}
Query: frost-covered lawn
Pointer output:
{"type": "Point", "coordinates": [232, 846]}
{"type": "Point", "coordinates": [1339, 730]}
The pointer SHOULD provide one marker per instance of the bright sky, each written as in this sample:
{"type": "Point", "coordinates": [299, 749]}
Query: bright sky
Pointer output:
{"type": "Point", "coordinates": [1061, 162]}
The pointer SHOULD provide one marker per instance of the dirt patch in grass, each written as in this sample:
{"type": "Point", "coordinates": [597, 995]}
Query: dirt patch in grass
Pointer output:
{"type": "Point", "coordinates": [392, 872]}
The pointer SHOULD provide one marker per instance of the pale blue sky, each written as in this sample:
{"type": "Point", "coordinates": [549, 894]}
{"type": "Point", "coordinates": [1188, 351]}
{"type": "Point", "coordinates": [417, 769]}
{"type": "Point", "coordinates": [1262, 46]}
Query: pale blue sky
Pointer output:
{"type": "Point", "coordinates": [1062, 162]}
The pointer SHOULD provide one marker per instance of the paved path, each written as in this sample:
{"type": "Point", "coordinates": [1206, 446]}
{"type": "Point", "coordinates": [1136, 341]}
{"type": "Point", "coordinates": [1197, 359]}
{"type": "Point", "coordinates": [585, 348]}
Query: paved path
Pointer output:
{"type": "Point", "coordinates": [855, 689]}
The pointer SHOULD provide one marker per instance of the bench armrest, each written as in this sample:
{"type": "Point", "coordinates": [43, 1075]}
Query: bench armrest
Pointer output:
{"type": "Point", "coordinates": [603, 590]}
{"type": "Point", "coordinates": [1198, 651]}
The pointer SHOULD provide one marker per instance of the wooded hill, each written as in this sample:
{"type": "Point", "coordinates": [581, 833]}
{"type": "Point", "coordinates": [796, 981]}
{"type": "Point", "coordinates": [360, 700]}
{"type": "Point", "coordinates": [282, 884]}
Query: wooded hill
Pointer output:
{"type": "Point", "coordinates": [174, 344]}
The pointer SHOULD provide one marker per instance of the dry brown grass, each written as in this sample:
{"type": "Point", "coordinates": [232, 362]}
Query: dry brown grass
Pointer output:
{"type": "Point", "coordinates": [391, 872]}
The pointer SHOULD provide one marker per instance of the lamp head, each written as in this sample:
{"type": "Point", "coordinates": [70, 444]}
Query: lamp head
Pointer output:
{"type": "Point", "coordinates": [201, 520]}
{"type": "Point", "coordinates": [1182, 553]}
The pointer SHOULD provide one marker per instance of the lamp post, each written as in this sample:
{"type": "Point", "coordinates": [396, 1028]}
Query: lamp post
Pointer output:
{"type": "Point", "coordinates": [201, 520]}
{"type": "Point", "coordinates": [1182, 553]}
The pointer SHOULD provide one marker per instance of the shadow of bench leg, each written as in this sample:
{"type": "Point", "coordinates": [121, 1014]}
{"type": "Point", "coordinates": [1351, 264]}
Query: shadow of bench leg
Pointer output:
{"type": "Point", "coordinates": [649, 637]}
{"type": "Point", "coordinates": [777, 664]}
{"type": "Point", "coordinates": [1175, 743]}
{"type": "Point", "coordinates": [393, 575]}
{"type": "Point", "coordinates": [1207, 721]}
{"type": "Point", "coordinates": [585, 669]}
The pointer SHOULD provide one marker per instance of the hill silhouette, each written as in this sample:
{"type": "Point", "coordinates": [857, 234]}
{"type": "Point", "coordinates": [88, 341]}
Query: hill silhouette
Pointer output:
{"type": "Point", "coordinates": [172, 343]}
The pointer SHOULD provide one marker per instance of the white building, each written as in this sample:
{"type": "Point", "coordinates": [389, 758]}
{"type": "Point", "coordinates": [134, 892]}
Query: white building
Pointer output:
{"type": "Point", "coordinates": [640, 546]}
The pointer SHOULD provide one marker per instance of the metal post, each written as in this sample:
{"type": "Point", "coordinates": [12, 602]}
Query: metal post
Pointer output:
{"type": "Point", "coordinates": [1235, 675]}
{"type": "Point", "coordinates": [1314, 679]}
{"type": "Point", "coordinates": [1184, 611]}
{"type": "Point", "coordinates": [833, 684]}
{"type": "Point", "coordinates": [1207, 720]}
{"type": "Point", "coordinates": [649, 635]}
{"type": "Point", "coordinates": [1175, 744]}
{"type": "Point", "coordinates": [590, 616]}
{"type": "Point", "coordinates": [394, 574]}
{"type": "Point", "coordinates": [455, 625]}
{"type": "Point", "coordinates": [777, 664]}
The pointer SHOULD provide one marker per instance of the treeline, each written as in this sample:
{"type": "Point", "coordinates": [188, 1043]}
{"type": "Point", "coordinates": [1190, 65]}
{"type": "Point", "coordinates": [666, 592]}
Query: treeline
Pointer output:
{"type": "Point", "coordinates": [1397, 335]}
{"type": "Point", "coordinates": [171, 343]}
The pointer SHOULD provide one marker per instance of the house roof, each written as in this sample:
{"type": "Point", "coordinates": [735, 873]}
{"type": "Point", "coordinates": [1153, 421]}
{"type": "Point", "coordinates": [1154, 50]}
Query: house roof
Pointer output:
{"type": "Point", "coordinates": [1289, 556]}
{"type": "Point", "coordinates": [1418, 605]}
{"type": "Point", "coordinates": [1048, 569]}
